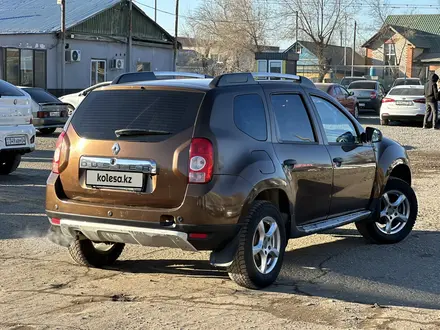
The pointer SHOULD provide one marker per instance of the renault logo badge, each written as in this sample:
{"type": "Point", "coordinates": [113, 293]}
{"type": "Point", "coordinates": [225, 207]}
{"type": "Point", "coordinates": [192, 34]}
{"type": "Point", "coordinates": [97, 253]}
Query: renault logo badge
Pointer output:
{"type": "Point", "coordinates": [116, 148]}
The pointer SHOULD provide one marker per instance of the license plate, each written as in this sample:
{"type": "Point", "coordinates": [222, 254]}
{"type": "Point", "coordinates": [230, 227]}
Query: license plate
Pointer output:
{"type": "Point", "coordinates": [114, 179]}
{"type": "Point", "coordinates": [15, 141]}
{"type": "Point", "coordinates": [54, 114]}
{"type": "Point", "coordinates": [405, 103]}
{"type": "Point", "coordinates": [362, 104]}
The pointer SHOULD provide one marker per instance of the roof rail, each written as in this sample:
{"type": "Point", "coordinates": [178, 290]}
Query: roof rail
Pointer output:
{"type": "Point", "coordinates": [275, 75]}
{"type": "Point", "coordinates": [180, 74]}
{"type": "Point", "coordinates": [231, 79]}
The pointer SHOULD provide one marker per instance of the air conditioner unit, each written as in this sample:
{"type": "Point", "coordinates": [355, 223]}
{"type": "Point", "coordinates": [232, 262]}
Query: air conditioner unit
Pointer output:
{"type": "Point", "coordinates": [73, 55]}
{"type": "Point", "coordinates": [117, 64]}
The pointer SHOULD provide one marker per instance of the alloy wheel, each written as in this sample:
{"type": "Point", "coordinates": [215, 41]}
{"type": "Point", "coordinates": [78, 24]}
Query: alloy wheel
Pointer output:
{"type": "Point", "coordinates": [266, 245]}
{"type": "Point", "coordinates": [395, 211]}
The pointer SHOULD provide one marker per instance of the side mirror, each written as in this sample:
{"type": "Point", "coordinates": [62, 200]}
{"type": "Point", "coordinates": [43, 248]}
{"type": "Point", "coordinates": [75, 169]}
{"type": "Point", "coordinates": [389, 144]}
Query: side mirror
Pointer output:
{"type": "Point", "coordinates": [351, 93]}
{"type": "Point", "coordinates": [373, 135]}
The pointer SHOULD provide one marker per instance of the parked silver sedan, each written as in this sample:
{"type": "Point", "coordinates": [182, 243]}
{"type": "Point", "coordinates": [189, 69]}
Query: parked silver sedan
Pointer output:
{"type": "Point", "coordinates": [403, 103]}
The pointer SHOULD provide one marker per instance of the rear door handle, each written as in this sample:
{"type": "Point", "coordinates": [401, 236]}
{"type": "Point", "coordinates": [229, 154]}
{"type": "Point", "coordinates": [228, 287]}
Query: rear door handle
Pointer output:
{"type": "Point", "coordinates": [338, 161]}
{"type": "Point", "coordinates": [290, 163]}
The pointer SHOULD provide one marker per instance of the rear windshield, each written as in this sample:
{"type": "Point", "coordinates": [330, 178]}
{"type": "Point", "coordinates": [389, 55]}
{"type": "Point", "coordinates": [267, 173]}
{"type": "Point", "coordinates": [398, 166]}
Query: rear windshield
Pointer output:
{"type": "Point", "coordinates": [348, 81]}
{"type": "Point", "coordinates": [324, 88]}
{"type": "Point", "coordinates": [406, 82]}
{"type": "Point", "coordinates": [362, 85]}
{"type": "Point", "coordinates": [7, 89]}
{"type": "Point", "coordinates": [41, 96]}
{"type": "Point", "coordinates": [103, 112]}
{"type": "Point", "coordinates": [407, 91]}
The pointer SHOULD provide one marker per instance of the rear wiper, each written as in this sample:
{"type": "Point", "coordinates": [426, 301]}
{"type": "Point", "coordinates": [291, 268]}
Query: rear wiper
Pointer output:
{"type": "Point", "coordinates": [139, 131]}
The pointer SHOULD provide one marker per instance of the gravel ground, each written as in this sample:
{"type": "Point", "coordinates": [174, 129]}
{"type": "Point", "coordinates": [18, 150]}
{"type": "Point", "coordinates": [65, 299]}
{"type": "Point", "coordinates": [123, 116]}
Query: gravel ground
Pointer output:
{"type": "Point", "coordinates": [329, 281]}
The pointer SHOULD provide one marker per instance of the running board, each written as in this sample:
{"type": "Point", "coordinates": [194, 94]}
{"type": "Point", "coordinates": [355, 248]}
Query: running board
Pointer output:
{"type": "Point", "coordinates": [334, 222]}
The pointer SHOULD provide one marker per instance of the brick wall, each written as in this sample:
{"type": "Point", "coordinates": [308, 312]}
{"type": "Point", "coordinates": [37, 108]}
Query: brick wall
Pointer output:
{"type": "Point", "coordinates": [409, 61]}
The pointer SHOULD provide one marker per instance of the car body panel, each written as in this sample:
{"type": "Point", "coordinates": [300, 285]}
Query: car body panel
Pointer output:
{"type": "Point", "coordinates": [75, 99]}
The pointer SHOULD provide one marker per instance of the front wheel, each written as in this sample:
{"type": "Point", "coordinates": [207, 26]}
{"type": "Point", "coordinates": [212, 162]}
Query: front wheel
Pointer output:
{"type": "Point", "coordinates": [87, 253]}
{"type": "Point", "coordinates": [9, 162]}
{"type": "Point", "coordinates": [398, 213]}
{"type": "Point", "coordinates": [260, 253]}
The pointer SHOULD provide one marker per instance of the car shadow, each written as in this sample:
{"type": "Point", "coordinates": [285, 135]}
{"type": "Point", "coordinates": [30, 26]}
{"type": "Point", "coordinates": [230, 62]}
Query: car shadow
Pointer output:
{"type": "Point", "coordinates": [347, 269]}
{"type": "Point", "coordinates": [192, 268]}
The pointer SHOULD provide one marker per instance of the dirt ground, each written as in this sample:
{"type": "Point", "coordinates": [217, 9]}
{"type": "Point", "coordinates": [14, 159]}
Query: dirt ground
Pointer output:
{"type": "Point", "coordinates": [329, 281]}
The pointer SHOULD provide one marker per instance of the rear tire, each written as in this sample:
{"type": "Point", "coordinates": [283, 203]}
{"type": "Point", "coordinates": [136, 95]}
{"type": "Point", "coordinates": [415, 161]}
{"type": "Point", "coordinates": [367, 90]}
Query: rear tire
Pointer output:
{"type": "Point", "coordinates": [384, 122]}
{"type": "Point", "coordinates": [85, 253]}
{"type": "Point", "coordinates": [9, 163]}
{"type": "Point", "coordinates": [262, 241]}
{"type": "Point", "coordinates": [356, 111]}
{"type": "Point", "coordinates": [391, 226]}
{"type": "Point", "coordinates": [47, 131]}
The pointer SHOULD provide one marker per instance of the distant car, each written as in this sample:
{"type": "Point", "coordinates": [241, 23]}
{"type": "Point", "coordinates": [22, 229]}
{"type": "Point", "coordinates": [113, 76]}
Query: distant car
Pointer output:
{"type": "Point", "coordinates": [369, 94]}
{"type": "Point", "coordinates": [403, 103]}
{"type": "Point", "coordinates": [406, 81]}
{"type": "Point", "coordinates": [346, 81]}
{"type": "Point", "coordinates": [48, 111]}
{"type": "Point", "coordinates": [17, 134]}
{"type": "Point", "coordinates": [346, 98]}
{"type": "Point", "coordinates": [75, 99]}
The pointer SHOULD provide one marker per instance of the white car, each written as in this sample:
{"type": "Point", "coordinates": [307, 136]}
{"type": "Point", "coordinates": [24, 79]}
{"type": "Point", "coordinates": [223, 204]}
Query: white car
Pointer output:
{"type": "Point", "coordinates": [75, 99]}
{"type": "Point", "coordinates": [403, 103]}
{"type": "Point", "coordinates": [17, 134]}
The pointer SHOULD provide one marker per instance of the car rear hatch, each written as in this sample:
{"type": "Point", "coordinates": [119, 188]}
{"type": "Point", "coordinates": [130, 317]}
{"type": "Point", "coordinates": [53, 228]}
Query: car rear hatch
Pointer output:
{"type": "Point", "coordinates": [129, 146]}
{"type": "Point", "coordinates": [15, 110]}
{"type": "Point", "coordinates": [53, 110]}
{"type": "Point", "coordinates": [364, 94]}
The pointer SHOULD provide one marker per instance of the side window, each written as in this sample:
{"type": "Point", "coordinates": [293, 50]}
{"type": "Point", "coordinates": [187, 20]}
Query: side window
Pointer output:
{"type": "Point", "coordinates": [292, 119]}
{"type": "Point", "coordinates": [338, 128]}
{"type": "Point", "coordinates": [250, 116]}
{"type": "Point", "coordinates": [344, 91]}
{"type": "Point", "coordinates": [338, 91]}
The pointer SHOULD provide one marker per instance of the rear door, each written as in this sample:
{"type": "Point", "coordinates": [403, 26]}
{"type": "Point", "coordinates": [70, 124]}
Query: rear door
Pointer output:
{"type": "Point", "coordinates": [15, 108]}
{"type": "Point", "coordinates": [304, 157]}
{"type": "Point", "coordinates": [134, 170]}
{"type": "Point", "coordinates": [354, 163]}
{"type": "Point", "coordinates": [349, 100]}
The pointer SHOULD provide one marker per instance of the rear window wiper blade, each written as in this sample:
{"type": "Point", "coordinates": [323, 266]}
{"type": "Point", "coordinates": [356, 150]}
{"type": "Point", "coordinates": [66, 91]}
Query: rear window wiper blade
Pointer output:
{"type": "Point", "coordinates": [138, 132]}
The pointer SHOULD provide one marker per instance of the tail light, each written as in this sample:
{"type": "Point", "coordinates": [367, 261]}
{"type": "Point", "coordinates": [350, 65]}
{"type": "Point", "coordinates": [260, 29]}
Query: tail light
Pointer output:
{"type": "Point", "coordinates": [387, 100]}
{"type": "Point", "coordinates": [42, 114]}
{"type": "Point", "coordinates": [373, 95]}
{"type": "Point", "coordinates": [419, 101]}
{"type": "Point", "coordinates": [60, 154]}
{"type": "Point", "coordinates": [201, 161]}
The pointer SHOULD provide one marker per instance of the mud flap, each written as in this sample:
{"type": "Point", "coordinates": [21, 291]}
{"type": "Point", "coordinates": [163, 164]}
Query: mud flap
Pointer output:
{"type": "Point", "coordinates": [224, 257]}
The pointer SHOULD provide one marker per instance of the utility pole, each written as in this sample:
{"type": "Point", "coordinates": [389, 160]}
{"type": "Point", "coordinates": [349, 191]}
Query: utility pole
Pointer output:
{"type": "Point", "coordinates": [176, 30]}
{"type": "Point", "coordinates": [155, 10]}
{"type": "Point", "coordinates": [297, 25]}
{"type": "Point", "coordinates": [353, 49]}
{"type": "Point", "coordinates": [130, 35]}
{"type": "Point", "coordinates": [63, 43]}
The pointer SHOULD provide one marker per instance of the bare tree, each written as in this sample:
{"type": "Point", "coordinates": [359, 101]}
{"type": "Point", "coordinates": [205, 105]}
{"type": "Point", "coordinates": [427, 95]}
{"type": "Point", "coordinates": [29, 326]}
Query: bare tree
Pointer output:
{"type": "Point", "coordinates": [319, 21]}
{"type": "Point", "coordinates": [235, 29]}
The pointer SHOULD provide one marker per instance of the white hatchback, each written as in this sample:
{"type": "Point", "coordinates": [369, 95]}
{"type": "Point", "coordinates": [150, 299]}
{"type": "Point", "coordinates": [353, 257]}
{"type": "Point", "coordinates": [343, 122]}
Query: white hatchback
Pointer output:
{"type": "Point", "coordinates": [403, 103]}
{"type": "Point", "coordinates": [17, 134]}
{"type": "Point", "coordinates": [75, 99]}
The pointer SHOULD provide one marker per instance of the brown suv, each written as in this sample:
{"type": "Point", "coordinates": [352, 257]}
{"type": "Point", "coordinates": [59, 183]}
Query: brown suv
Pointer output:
{"type": "Point", "coordinates": [232, 164]}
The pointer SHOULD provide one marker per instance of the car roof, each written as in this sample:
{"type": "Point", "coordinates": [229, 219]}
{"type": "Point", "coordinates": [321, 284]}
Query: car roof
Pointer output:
{"type": "Point", "coordinates": [407, 78]}
{"type": "Point", "coordinates": [409, 86]}
{"type": "Point", "coordinates": [326, 84]}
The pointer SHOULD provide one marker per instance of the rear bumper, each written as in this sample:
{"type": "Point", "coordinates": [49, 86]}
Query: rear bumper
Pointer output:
{"type": "Point", "coordinates": [400, 117]}
{"type": "Point", "coordinates": [368, 103]}
{"type": "Point", "coordinates": [11, 131]}
{"type": "Point", "coordinates": [213, 209]}
{"type": "Point", "coordinates": [49, 122]}
{"type": "Point", "coordinates": [145, 234]}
